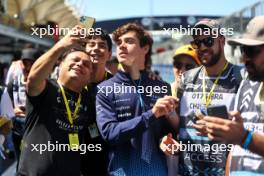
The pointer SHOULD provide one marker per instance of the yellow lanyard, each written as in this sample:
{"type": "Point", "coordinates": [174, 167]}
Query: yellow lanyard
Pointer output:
{"type": "Point", "coordinates": [208, 99]}
{"type": "Point", "coordinates": [70, 116]}
{"type": "Point", "coordinates": [105, 76]}
{"type": "Point", "coordinates": [260, 91]}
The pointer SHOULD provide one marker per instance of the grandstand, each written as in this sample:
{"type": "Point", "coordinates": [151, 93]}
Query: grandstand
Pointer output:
{"type": "Point", "coordinates": [17, 18]}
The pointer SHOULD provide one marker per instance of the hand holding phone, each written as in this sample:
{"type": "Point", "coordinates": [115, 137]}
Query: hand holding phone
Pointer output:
{"type": "Point", "coordinates": [87, 22]}
{"type": "Point", "coordinates": [218, 111]}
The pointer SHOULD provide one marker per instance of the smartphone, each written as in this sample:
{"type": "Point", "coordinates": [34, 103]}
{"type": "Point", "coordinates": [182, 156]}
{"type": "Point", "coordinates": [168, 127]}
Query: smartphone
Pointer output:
{"type": "Point", "coordinates": [217, 111]}
{"type": "Point", "coordinates": [87, 22]}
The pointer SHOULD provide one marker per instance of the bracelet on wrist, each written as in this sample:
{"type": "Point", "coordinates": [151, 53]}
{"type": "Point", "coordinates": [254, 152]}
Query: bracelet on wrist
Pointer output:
{"type": "Point", "coordinates": [248, 139]}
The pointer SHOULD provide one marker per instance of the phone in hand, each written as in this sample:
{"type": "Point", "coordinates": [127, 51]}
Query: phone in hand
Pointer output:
{"type": "Point", "coordinates": [87, 22]}
{"type": "Point", "coordinates": [217, 111]}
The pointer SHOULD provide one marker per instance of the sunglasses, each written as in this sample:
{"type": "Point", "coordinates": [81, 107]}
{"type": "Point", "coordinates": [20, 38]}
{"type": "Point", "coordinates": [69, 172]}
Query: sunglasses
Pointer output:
{"type": "Point", "coordinates": [208, 42]}
{"type": "Point", "coordinates": [180, 65]}
{"type": "Point", "coordinates": [251, 51]}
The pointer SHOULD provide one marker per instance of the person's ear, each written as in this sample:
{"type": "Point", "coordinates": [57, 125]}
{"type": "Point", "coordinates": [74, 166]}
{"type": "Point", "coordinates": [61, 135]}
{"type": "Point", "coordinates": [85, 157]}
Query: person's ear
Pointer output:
{"type": "Point", "coordinates": [146, 49]}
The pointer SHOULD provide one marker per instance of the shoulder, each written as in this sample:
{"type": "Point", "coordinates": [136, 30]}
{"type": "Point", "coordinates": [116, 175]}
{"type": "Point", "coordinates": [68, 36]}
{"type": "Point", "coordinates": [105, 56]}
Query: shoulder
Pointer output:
{"type": "Point", "coordinates": [51, 83]}
{"type": "Point", "coordinates": [108, 82]}
{"type": "Point", "coordinates": [51, 87]}
{"type": "Point", "coordinates": [105, 89]}
{"type": "Point", "coordinates": [239, 72]}
{"type": "Point", "coordinates": [160, 83]}
{"type": "Point", "coordinates": [192, 74]}
{"type": "Point", "coordinates": [248, 84]}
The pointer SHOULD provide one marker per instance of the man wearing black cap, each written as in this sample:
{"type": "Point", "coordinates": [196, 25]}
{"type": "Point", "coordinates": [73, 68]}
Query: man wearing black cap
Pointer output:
{"type": "Point", "coordinates": [246, 129]}
{"type": "Point", "coordinates": [214, 83]}
{"type": "Point", "coordinates": [16, 90]}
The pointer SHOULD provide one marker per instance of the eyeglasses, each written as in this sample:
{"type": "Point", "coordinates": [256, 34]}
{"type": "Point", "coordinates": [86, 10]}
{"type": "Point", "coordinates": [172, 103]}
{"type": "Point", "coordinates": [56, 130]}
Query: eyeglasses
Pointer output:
{"type": "Point", "coordinates": [208, 42]}
{"type": "Point", "coordinates": [180, 65]}
{"type": "Point", "coordinates": [251, 51]}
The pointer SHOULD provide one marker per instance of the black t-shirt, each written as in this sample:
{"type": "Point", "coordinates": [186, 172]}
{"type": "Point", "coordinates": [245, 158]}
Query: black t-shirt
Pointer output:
{"type": "Point", "coordinates": [47, 125]}
{"type": "Point", "coordinates": [95, 161]}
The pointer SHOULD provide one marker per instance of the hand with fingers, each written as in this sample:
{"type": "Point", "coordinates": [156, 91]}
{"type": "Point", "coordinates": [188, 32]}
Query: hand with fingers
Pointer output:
{"type": "Point", "coordinates": [200, 127]}
{"type": "Point", "coordinates": [169, 145]}
{"type": "Point", "coordinates": [73, 39]}
{"type": "Point", "coordinates": [164, 106]}
{"type": "Point", "coordinates": [227, 131]}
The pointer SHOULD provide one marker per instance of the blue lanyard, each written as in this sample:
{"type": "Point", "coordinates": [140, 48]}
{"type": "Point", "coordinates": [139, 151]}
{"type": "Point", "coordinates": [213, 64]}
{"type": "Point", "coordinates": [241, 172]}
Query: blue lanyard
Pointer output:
{"type": "Point", "coordinates": [139, 95]}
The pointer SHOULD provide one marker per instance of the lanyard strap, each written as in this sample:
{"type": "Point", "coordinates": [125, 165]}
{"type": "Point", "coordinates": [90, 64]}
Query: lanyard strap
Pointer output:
{"type": "Point", "coordinates": [208, 99]}
{"type": "Point", "coordinates": [259, 95]}
{"type": "Point", "coordinates": [105, 75]}
{"type": "Point", "coordinates": [139, 95]}
{"type": "Point", "coordinates": [69, 113]}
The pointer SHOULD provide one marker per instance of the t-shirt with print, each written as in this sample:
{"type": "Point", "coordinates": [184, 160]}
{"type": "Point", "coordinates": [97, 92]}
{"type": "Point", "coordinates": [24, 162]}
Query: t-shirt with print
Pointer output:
{"type": "Point", "coordinates": [17, 90]}
{"type": "Point", "coordinates": [247, 103]}
{"type": "Point", "coordinates": [48, 128]}
{"type": "Point", "coordinates": [205, 157]}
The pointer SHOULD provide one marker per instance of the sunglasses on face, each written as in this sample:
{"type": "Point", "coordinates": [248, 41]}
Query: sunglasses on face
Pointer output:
{"type": "Point", "coordinates": [251, 51]}
{"type": "Point", "coordinates": [208, 42]}
{"type": "Point", "coordinates": [180, 65]}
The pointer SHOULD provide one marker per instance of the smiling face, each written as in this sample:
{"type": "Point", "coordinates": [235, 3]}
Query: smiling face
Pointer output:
{"type": "Point", "coordinates": [209, 49]}
{"type": "Point", "coordinates": [76, 66]}
{"type": "Point", "coordinates": [129, 52]}
{"type": "Point", "coordinates": [98, 50]}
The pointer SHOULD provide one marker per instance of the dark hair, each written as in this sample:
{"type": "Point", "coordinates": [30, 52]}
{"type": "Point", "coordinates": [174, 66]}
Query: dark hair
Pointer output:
{"type": "Point", "coordinates": [103, 36]}
{"type": "Point", "coordinates": [66, 53]}
{"type": "Point", "coordinates": [143, 36]}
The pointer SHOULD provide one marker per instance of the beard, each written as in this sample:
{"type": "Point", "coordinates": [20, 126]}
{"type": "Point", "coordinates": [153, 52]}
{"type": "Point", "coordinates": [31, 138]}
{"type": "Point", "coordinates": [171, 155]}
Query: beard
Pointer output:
{"type": "Point", "coordinates": [213, 60]}
{"type": "Point", "coordinates": [254, 73]}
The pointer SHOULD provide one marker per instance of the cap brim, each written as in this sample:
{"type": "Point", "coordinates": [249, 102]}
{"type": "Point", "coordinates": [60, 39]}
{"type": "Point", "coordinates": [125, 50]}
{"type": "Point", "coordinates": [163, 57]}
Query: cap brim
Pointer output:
{"type": "Point", "coordinates": [245, 41]}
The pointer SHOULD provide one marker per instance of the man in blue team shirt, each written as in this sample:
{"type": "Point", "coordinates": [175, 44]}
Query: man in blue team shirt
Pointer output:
{"type": "Point", "coordinates": [133, 111]}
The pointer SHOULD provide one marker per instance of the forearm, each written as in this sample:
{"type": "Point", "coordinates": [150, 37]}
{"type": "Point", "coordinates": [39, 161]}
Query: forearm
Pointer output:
{"type": "Point", "coordinates": [257, 143]}
{"type": "Point", "coordinates": [42, 68]}
{"type": "Point", "coordinates": [120, 132]}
